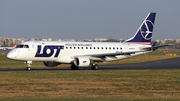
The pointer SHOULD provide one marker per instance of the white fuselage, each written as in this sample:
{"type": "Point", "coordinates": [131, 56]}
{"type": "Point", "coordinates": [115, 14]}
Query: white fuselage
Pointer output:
{"type": "Point", "coordinates": [64, 52]}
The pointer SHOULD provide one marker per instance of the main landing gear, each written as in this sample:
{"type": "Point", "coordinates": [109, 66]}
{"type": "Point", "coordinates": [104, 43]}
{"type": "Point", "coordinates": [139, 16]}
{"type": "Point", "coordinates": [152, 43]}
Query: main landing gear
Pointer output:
{"type": "Point", "coordinates": [28, 65]}
{"type": "Point", "coordinates": [74, 67]}
{"type": "Point", "coordinates": [93, 67]}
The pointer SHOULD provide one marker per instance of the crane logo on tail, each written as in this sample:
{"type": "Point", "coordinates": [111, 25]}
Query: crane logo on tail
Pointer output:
{"type": "Point", "coordinates": [144, 33]}
{"type": "Point", "coordinates": [146, 30]}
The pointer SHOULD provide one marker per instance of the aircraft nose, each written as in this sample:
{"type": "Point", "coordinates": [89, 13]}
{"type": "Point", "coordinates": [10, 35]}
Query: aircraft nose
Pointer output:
{"type": "Point", "coordinates": [11, 55]}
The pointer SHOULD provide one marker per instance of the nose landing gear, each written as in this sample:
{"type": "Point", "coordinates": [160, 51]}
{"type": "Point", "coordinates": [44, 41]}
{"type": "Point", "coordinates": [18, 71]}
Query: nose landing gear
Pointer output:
{"type": "Point", "coordinates": [28, 65]}
{"type": "Point", "coordinates": [28, 68]}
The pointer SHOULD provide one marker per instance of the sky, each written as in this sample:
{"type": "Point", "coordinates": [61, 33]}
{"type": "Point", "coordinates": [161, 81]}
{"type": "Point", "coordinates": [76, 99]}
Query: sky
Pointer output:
{"type": "Point", "coordinates": [86, 19]}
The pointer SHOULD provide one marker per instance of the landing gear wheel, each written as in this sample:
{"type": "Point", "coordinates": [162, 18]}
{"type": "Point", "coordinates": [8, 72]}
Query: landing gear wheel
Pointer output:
{"type": "Point", "coordinates": [28, 68]}
{"type": "Point", "coordinates": [74, 67]}
{"type": "Point", "coordinates": [95, 67]}
{"type": "Point", "coordinates": [28, 65]}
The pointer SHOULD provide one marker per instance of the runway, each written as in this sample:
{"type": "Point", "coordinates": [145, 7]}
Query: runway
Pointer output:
{"type": "Point", "coordinates": [173, 63]}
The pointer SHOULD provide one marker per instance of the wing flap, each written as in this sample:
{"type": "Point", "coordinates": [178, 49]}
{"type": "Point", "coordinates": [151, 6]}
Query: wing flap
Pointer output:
{"type": "Point", "coordinates": [111, 54]}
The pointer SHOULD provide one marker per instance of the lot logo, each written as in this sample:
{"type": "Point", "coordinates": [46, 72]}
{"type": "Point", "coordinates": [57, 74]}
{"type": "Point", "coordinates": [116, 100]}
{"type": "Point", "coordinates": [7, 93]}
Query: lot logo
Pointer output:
{"type": "Point", "coordinates": [146, 30]}
{"type": "Point", "coordinates": [84, 61]}
{"type": "Point", "coordinates": [48, 51]}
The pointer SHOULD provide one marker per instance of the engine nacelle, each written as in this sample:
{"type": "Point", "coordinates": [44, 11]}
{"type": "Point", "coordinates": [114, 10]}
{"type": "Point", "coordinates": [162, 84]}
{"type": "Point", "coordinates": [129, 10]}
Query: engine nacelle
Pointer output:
{"type": "Point", "coordinates": [82, 61]}
{"type": "Point", "coordinates": [51, 63]}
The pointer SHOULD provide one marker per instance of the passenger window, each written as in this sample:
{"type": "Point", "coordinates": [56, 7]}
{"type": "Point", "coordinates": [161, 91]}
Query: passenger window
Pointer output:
{"type": "Point", "coordinates": [113, 48]}
{"type": "Point", "coordinates": [121, 48]}
{"type": "Point", "coordinates": [90, 47]}
{"type": "Point", "coordinates": [82, 47]}
{"type": "Point", "coordinates": [94, 47]}
{"type": "Point", "coordinates": [109, 47]}
{"type": "Point", "coordinates": [106, 47]}
{"type": "Point", "coordinates": [66, 47]}
{"type": "Point", "coordinates": [117, 48]}
{"type": "Point", "coordinates": [97, 47]}
{"type": "Point", "coordinates": [78, 47]}
{"type": "Point", "coordinates": [74, 47]}
{"type": "Point", "coordinates": [101, 47]}
{"type": "Point", "coordinates": [86, 47]}
{"type": "Point", "coordinates": [70, 47]}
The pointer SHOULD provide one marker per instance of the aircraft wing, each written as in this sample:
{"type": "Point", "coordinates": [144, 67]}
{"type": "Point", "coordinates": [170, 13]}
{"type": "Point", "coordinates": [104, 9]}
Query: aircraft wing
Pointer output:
{"type": "Point", "coordinates": [101, 57]}
{"type": "Point", "coordinates": [112, 54]}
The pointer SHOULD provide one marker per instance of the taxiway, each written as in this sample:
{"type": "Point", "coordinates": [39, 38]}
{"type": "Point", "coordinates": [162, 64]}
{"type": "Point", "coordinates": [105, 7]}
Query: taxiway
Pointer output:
{"type": "Point", "coordinates": [173, 63]}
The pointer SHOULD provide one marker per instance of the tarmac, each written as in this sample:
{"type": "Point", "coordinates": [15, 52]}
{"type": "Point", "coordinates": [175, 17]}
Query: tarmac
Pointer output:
{"type": "Point", "coordinates": [173, 63]}
{"type": "Point", "coordinates": [4, 51]}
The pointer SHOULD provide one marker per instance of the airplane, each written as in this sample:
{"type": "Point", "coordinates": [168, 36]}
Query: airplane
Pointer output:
{"type": "Point", "coordinates": [86, 54]}
{"type": "Point", "coordinates": [8, 48]}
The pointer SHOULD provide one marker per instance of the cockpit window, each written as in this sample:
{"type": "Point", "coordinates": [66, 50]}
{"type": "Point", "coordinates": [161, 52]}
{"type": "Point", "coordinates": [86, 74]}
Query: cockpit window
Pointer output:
{"type": "Point", "coordinates": [26, 46]}
{"type": "Point", "coordinates": [19, 46]}
{"type": "Point", "coordinates": [22, 46]}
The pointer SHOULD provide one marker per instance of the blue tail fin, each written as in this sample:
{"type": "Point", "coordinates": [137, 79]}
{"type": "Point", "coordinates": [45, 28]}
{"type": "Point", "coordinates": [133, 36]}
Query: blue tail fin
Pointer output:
{"type": "Point", "coordinates": [144, 33]}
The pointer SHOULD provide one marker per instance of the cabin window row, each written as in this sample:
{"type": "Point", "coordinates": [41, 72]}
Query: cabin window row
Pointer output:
{"type": "Point", "coordinates": [117, 48]}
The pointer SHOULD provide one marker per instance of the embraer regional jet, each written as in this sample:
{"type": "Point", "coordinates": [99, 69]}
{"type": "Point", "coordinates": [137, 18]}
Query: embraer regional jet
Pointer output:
{"type": "Point", "coordinates": [86, 54]}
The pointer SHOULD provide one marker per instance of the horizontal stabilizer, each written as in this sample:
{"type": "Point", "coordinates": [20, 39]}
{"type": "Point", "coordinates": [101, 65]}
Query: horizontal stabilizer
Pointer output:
{"type": "Point", "coordinates": [156, 47]}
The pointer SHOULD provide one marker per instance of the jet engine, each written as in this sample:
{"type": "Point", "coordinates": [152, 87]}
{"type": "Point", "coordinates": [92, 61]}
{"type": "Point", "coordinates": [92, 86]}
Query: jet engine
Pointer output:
{"type": "Point", "coordinates": [51, 63]}
{"type": "Point", "coordinates": [82, 61]}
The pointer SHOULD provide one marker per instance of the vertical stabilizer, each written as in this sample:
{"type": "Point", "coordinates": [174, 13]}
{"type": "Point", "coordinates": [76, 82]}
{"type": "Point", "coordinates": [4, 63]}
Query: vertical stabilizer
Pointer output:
{"type": "Point", "coordinates": [144, 33]}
